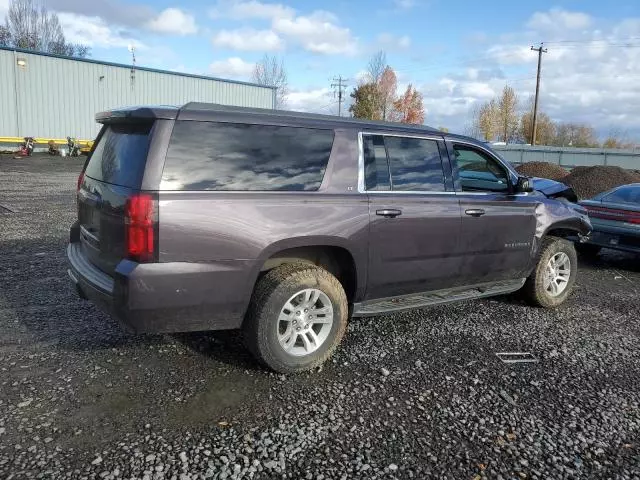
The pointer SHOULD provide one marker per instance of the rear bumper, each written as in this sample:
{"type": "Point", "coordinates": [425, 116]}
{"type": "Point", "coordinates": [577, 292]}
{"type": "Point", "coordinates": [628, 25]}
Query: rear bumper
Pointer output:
{"type": "Point", "coordinates": [616, 238]}
{"type": "Point", "coordinates": [164, 297]}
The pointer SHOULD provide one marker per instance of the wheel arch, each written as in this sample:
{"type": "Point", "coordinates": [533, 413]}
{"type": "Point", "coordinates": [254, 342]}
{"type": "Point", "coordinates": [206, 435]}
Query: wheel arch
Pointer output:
{"type": "Point", "coordinates": [334, 254]}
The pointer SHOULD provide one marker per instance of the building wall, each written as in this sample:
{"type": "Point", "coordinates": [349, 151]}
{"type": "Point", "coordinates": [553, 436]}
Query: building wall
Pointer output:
{"type": "Point", "coordinates": [58, 97]}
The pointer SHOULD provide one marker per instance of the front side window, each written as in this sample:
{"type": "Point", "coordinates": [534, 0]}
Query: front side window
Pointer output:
{"type": "Point", "coordinates": [242, 157]}
{"type": "Point", "coordinates": [479, 172]}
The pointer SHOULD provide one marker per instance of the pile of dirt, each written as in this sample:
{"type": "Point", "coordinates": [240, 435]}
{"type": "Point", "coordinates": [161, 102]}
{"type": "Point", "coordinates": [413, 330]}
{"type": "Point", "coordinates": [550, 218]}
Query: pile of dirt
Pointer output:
{"type": "Point", "coordinates": [590, 181]}
{"type": "Point", "coordinates": [542, 170]}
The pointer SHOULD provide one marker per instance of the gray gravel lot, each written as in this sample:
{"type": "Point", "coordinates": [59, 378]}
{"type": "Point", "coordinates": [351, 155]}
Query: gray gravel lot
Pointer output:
{"type": "Point", "coordinates": [411, 395]}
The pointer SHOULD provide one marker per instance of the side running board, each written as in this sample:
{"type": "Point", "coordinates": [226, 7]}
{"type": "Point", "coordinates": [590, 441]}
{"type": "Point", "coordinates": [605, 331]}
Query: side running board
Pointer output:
{"type": "Point", "coordinates": [437, 297]}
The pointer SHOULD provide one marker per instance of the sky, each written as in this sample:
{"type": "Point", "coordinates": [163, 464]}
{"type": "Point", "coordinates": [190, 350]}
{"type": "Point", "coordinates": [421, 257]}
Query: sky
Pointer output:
{"type": "Point", "coordinates": [457, 53]}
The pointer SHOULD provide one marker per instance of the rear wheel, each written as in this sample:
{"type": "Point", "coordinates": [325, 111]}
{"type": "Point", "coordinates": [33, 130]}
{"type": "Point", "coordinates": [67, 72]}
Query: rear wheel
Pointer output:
{"type": "Point", "coordinates": [588, 250]}
{"type": "Point", "coordinates": [552, 280]}
{"type": "Point", "coordinates": [297, 318]}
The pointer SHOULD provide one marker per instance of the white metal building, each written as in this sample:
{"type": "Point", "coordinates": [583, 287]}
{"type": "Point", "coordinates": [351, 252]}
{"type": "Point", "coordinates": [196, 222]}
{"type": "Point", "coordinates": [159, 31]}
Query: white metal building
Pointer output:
{"type": "Point", "coordinates": [50, 96]}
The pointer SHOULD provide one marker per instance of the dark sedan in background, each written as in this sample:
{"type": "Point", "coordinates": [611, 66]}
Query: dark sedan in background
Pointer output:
{"type": "Point", "coordinates": [615, 216]}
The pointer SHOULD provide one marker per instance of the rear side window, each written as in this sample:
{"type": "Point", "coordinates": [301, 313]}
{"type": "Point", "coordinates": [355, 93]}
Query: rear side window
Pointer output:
{"type": "Point", "coordinates": [630, 194]}
{"type": "Point", "coordinates": [376, 167]}
{"type": "Point", "coordinates": [240, 157]}
{"type": "Point", "coordinates": [120, 155]}
{"type": "Point", "coordinates": [402, 164]}
{"type": "Point", "coordinates": [415, 164]}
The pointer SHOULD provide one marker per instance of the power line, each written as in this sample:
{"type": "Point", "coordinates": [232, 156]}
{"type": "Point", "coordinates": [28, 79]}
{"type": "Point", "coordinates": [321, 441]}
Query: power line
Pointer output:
{"type": "Point", "coordinates": [340, 84]}
{"type": "Point", "coordinates": [534, 127]}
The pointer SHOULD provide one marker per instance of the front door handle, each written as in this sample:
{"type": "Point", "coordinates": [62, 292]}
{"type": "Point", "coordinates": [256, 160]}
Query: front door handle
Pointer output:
{"type": "Point", "coordinates": [389, 212]}
{"type": "Point", "coordinates": [475, 212]}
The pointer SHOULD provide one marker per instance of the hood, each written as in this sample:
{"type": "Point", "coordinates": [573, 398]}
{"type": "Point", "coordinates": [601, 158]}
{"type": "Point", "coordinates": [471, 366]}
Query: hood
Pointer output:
{"type": "Point", "coordinates": [554, 189]}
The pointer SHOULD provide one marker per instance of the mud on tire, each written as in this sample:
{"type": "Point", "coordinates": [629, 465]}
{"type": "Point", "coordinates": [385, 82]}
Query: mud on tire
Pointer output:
{"type": "Point", "coordinates": [537, 290]}
{"type": "Point", "coordinates": [263, 324]}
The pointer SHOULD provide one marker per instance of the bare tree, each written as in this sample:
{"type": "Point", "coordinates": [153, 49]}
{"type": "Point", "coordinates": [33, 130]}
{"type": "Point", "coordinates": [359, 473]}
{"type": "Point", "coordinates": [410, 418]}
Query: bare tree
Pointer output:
{"type": "Point", "coordinates": [472, 127]}
{"type": "Point", "coordinates": [270, 71]}
{"type": "Point", "coordinates": [575, 135]}
{"type": "Point", "coordinates": [507, 108]}
{"type": "Point", "coordinates": [31, 26]}
{"type": "Point", "coordinates": [376, 67]}
{"type": "Point", "coordinates": [617, 138]}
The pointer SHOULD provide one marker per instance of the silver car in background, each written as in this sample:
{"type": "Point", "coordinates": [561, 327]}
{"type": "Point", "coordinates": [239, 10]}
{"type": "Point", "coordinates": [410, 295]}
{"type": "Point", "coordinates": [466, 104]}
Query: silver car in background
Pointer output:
{"type": "Point", "coordinates": [615, 216]}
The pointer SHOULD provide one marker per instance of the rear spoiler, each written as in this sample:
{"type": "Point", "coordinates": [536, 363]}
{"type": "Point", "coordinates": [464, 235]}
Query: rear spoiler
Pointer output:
{"type": "Point", "coordinates": [131, 114]}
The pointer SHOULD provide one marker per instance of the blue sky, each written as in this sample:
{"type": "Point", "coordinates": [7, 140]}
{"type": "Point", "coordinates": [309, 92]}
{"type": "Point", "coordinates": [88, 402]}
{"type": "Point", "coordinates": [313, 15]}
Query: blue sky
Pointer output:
{"type": "Point", "coordinates": [457, 53]}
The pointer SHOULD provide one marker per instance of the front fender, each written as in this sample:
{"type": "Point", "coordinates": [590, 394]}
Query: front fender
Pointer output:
{"type": "Point", "coordinates": [561, 218]}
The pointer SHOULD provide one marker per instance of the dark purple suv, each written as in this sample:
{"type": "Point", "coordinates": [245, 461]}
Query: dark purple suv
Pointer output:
{"type": "Point", "coordinates": [284, 224]}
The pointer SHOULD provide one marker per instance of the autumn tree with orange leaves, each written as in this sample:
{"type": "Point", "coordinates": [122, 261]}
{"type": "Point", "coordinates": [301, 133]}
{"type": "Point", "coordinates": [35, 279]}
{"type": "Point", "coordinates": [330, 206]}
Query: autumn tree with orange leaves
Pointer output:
{"type": "Point", "coordinates": [376, 98]}
{"type": "Point", "coordinates": [408, 108]}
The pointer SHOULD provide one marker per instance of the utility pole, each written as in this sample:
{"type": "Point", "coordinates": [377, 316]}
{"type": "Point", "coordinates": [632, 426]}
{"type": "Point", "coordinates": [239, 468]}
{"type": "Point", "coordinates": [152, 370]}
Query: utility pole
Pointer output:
{"type": "Point", "coordinates": [534, 123]}
{"type": "Point", "coordinates": [339, 84]}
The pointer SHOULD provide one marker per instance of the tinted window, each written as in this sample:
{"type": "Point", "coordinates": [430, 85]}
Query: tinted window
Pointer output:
{"type": "Point", "coordinates": [229, 156]}
{"type": "Point", "coordinates": [120, 155]}
{"type": "Point", "coordinates": [376, 168]}
{"type": "Point", "coordinates": [415, 164]}
{"type": "Point", "coordinates": [478, 171]}
{"type": "Point", "coordinates": [629, 194]}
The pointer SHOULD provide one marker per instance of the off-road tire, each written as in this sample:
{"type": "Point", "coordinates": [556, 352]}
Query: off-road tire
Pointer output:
{"type": "Point", "coordinates": [588, 250]}
{"type": "Point", "coordinates": [270, 295]}
{"type": "Point", "coordinates": [533, 289]}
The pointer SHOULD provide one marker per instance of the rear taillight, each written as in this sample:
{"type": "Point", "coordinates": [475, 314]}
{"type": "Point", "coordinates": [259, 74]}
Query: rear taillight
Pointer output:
{"type": "Point", "coordinates": [139, 225]}
{"type": "Point", "coordinates": [614, 214]}
{"type": "Point", "coordinates": [80, 179]}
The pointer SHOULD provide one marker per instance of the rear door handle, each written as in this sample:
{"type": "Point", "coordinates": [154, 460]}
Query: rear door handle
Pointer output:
{"type": "Point", "coordinates": [389, 212]}
{"type": "Point", "coordinates": [475, 212]}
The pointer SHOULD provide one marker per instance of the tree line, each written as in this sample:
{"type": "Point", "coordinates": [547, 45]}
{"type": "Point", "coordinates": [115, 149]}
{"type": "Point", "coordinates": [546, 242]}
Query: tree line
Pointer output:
{"type": "Point", "coordinates": [31, 26]}
{"type": "Point", "coordinates": [501, 119]}
{"type": "Point", "coordinates": [377, 97]}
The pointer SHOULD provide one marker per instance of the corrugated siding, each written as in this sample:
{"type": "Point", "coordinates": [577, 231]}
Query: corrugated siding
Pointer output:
{"type": "Point", "coordinates": [59, 97]}
{"type": "Point", "coordinates": [8, 126]}
{"type": "Point", "coordinates": [569, 156]}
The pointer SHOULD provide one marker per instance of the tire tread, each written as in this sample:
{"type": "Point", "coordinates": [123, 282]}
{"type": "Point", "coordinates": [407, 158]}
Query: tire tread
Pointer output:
{"type": "Point", "coordinates": [291, 274]}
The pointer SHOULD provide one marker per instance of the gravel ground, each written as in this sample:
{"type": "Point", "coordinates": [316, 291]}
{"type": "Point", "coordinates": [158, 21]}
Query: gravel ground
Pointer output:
{"type": "Point", "coordinates": [411, 395]}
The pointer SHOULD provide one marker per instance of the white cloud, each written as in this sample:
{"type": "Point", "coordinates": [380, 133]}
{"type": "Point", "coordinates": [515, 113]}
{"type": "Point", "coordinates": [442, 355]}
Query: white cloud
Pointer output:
{"type": "Point", "coordinates": [248, 39]}
{"type": "Point", "coordinates": [593, 81]}
{"type": "Point", "coordinates": [233, 67]}
{"type": "Point", "coordinates": [389, 41]}
{"type": "Point", "coordinates": [173, 21]}
{"type": "Point", "coordinates": [242, 10]}
{"type": "Point", "coordinates": [317, 33]}
{"type": "Point", "coordinates": [94, 32]}
{"type": "Point", "coordinates": [318, 100]}
{"type": "Point", "coordinates": [505, 54]}
{"type": "Point", "coordinates": [558, 19]}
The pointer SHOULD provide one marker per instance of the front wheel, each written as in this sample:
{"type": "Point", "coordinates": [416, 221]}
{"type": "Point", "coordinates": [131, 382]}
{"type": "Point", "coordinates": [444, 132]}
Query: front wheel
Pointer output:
{"type": "Point", "coordinates": [297, 318]}
{"type": "Point", "coordinates": [553, 278]}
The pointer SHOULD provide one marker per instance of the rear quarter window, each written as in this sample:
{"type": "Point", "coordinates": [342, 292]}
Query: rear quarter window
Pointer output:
{"type": "Point", "coordinates": [120, 155]}
{"type": "Point", "coordinates": [630, 194]}
{"type": "Point", "coordinates": [242, 157]}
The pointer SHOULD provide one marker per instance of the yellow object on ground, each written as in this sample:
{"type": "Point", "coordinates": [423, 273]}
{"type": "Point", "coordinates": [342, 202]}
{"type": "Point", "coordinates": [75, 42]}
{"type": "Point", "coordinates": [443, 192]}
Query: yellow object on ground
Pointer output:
{"type": "Point", "coordinates": [44, 141]}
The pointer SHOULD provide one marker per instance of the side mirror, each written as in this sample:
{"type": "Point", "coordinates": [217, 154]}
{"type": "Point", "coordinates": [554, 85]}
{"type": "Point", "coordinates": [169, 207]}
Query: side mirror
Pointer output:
{"type": "Point", "coordinates": [524, 185]}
